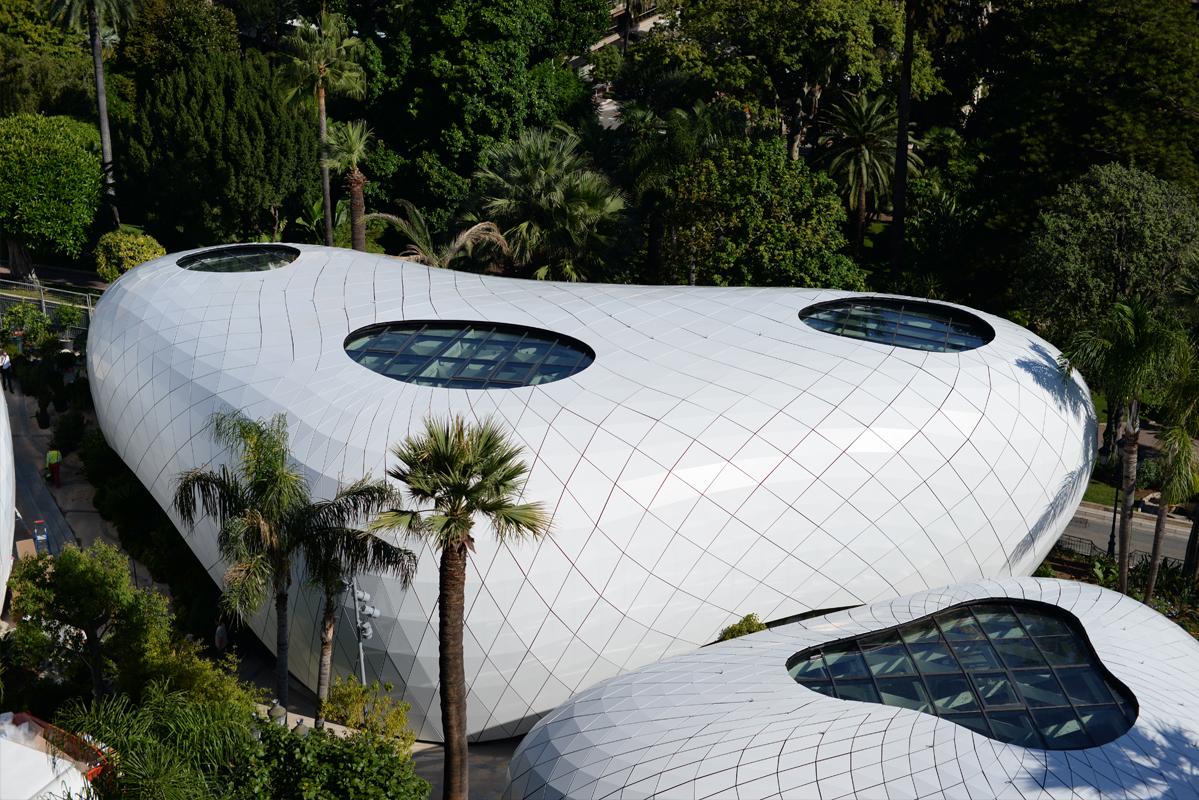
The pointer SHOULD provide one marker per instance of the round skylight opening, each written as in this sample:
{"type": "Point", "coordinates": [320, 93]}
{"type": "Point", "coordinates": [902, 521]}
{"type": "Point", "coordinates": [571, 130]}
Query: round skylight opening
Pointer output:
{"type": "Point", "coordinates": [1017, 671]}
{"type": "Point", "coordinates": [240, 258]}
{"type": "Point", "coordinates": [468, 355]}
{"type": "Point", "coordinates": [895, 322]}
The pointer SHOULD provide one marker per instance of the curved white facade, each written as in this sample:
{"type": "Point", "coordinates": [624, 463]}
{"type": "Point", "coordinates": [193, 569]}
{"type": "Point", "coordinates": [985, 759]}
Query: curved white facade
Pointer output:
{"type": "Point", "coordinates": [728, 721]}
{"type": "Point", "coordinates": [718, 457]}
{"type": "Point", "coordinates": [8, 488]}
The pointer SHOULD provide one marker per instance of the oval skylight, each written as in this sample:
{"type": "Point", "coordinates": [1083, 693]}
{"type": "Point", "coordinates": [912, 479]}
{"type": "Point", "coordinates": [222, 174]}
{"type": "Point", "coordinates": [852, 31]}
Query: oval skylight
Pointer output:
{"type": "Point", "coordinates": [1017, 671]}
{"type": "Point", "coordinates": [240, 258]}
{"type": "Point", "coordinates": [468, 355]}
{"type": "Point", "coordinates": [913, 324]}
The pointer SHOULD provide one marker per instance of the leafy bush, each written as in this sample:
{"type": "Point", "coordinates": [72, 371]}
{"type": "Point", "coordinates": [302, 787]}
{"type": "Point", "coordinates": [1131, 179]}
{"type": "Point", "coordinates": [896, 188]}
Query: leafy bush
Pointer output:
{"type": "Point", "coordinates": [68, 431]}
{"type": "Point", "coordinates": [117, 252]}
{"type": "Point", "coordinates": [66, 316]}
{"type": "Point", "coordinates": [359, 767]}
{"type": "Point", "coordinates": [30, 322]}
{"type": "Point", "coordinates": [371, 709]}
{"type": "Point", "coordinates": [747, 624]}
{"type": "Point", "coordinates": [605, 64]}
{"type": "Point", "coordinates": [1150, 474]}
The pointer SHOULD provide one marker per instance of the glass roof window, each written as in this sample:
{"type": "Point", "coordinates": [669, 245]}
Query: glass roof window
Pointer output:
{"type": "Point", "coordinates": [1017, 671]}
{"type": "Point", "coordinates": [240, 258]}
{"type": "Point", "coordinates": [913, 324]}
{"type": "Point", "coordinates": [468, 355]}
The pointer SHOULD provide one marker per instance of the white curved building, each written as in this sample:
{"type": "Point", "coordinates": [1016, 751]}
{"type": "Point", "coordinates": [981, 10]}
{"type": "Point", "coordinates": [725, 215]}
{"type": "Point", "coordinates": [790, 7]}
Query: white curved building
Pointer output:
{"type": "Point", "coordinates": [1052, 689]}
{"type": "Point", "coordinates": [8, 499]}
{"type": "Point", "coordinates": [705, 452]}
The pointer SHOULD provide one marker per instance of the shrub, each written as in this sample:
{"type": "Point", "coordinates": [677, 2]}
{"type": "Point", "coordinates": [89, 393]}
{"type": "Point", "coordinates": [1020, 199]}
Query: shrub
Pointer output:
{"type": "Point", "coordinates": [605, 64]}
{"type": "Point", "coordinates": [68, 432]}
{"type": "Point", "coordinates": [30, 321]}
{"type": "Point", "coordinates": [371, 709]}
{"type": "Point", "coordinates": [747, 624]}
{"type": "Point", "coordinates": [1149, 474]}
{"type": "Point", "coordinates": [117, 252]}
{"type": "Point", "coordinates": [66, 316]}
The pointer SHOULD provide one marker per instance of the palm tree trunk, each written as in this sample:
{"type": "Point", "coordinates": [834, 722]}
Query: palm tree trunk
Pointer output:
{"type": "Point", "coordinates": [899, 201]}
{"type": "Point", "coordinates": [325, 188]}
{"type": "Point", "coordinates": [452, 606]}
{"type": "Point", "coordinates": [110, 192]}
{"type": "Point", "coordinates": [1191, 566]}
{"type": "Point", "coordinates": [95, 663]}
{"type": "Point", "coordinates": [860, 221]}
{"type": "Point", "coordinates": [355, 181]}
{"type": "Point", "coordinates": [1155, 556]}
{"type": "Point", "coordinates": [325, 671]}
{"type": "Point", "coordinates": [281, 644]}
{"type": "Point", "coordinates": [1131, 443]}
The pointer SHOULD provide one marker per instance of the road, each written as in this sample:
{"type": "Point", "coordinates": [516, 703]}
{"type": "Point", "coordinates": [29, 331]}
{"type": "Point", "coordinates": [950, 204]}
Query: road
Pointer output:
{"type": "Point", "coordinates": [1095, 524]}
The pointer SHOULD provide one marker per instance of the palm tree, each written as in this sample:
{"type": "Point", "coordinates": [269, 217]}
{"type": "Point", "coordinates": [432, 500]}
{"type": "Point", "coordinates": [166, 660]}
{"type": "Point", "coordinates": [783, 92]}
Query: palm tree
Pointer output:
{"type": "Point", "coordinates": [859, 151]}
{"type": "Point", "coordinates": [335, 552]}
{"type": "Point", "coordinates": [1179, 418]}
{"type": "Point", "coordinates": [1128, 353]}
{"type": "Point", "coordinates": [72, 13]}
{"type": "Point", "coordinates": [424, 250]}
{"type": "Point", "coordinates": [324, 60]}
{"type": "Point", "coordinates": [558, 211]}
{"type": "Point", "coordinates": [260, 506]}
{"type": "Point", "coordinates": [454, 473]}
{"type": "Point", "coordinates": [348, 147]}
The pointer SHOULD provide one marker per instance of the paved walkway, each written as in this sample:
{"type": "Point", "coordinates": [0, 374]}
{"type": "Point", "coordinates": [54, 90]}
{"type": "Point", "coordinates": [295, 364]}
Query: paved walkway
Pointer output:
{"type": "Point", "coordinates": [1094, 522]}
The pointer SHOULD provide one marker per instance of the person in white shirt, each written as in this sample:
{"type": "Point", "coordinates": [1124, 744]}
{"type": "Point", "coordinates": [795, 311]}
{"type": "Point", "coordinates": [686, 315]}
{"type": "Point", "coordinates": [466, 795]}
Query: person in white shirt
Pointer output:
{"type": "Point", "coordinates": [5, 371]}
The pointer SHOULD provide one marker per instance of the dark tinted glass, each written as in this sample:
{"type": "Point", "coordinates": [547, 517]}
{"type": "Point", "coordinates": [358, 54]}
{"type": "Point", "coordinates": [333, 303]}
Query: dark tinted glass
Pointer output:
{"type": "Point", "coordinates": [241, 258]}
{"type": "Point", "coordinates": [1017, 671]}
{"type": "Point", "coordinates": [901, 323]}
{"type": "Point", "coordinates": [468, 355]}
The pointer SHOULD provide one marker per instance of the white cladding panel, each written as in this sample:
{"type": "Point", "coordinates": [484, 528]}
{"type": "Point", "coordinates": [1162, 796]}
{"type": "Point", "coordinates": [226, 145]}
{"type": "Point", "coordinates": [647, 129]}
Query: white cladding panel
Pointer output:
{"type": "Point", "coordinates": [728, 721]}
{"type": "Point", "coordinates": [719, 457]}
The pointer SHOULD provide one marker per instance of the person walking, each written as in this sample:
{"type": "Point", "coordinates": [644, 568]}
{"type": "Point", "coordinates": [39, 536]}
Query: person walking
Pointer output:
{"type": "Point", "coordinates": [54, 465]}
{"type": "Point", "coordinates": [5, 371]}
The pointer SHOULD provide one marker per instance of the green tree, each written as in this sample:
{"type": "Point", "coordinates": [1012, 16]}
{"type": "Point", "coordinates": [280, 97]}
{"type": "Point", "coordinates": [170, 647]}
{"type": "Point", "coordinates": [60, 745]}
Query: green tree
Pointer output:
{"type": "Point", "coordinates": [747, 215]}
{"type": "Point", "coordinates": [117, 252]}
{"type": "Point", "coordinates": [42, 69]}
{"type": "Point", "coordinates": [423, 248]}
{"type": "Point", "coordinates": [1115, 233]}
{"type": "Point", "coordinates": [167, 35]}
{"type": "Point", "coordinates": [1073, 83]}
{"type": "Point", "coordinates": [558, 212]}
{"type": "Point", "coordinates": [347, 149]}
{"type": "Point", "coordinates": [859, 151]}
{"type": "Point", "coordinates": [260, 506]}
{"type": "Point", "coordinates": [454, 473]}
{"type": "Point", "coordinates": [324, 60]}
{"type": "Point", "coordinates": [95, 14]}
{"type": "Point", "coordinates": [1176, 444]}
{"type": "Point", "coordinates": [371, 709]}
{"type": "Point", "coordinates": [50, 180]}
{"type": "Point", "coordinates": [448, 79]}
{"type": "Point", "coordinates": [336, 552]}
{"type": "Point", "coordinates": [782, 56]}
{"type": "Point", "coordinates": [214, 153]}
{"type": "Point", "coordinates": [80, 607]}
{"type": "Point", "coordinates": [742, 627]}
{"type": "Point", "coordinates": [1128, 352]}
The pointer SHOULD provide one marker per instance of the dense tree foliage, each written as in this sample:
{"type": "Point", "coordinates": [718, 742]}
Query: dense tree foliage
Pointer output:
{"type": "Point", "coordinates": [167, 35]}
{"type": "Point", "coordinates": [1115, 234]}
{"type": "Point", "coordinates": [117, 252]}
{"type": "Point", "coordinates": [50, 181]}
{"type": "Point", "coordinates": [214, 153]}
{"type": "Point", "coordinates": [746, 215]}
{"type": "Point", "coordinates": [41, 68]}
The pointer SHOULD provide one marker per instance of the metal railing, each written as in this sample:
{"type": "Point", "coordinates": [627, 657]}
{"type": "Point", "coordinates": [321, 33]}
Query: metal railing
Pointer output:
{"type": "Point", "coordinates": [1089, 550]}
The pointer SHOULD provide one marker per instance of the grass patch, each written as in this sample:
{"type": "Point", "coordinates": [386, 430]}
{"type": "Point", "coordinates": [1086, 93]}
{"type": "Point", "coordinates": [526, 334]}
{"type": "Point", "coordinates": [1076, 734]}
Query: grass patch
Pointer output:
{"type": "Point", "coordinates": [1099, 492]}
{"type": "Point", "coordinates": [1100, 401]}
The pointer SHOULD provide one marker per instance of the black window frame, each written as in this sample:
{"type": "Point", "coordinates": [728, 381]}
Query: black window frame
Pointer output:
{"type": "Point", "coordinates": [508, 370]}
{"type": "Point", "coordinates": [1120, 697]}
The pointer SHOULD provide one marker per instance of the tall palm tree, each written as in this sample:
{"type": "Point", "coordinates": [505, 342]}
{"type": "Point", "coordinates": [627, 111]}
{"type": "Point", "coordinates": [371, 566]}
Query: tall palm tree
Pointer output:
{"type": "Point", "coordinates": [97, 13]}
{"type": "Point", "coordinates": [859, 151]}
{"type": "Point", "coordinates": [558, 211]}
{"type": "Point", "coordinates": [260, 506]}
{"type": "Point", "coordinates": [1177, 447]}
{"type": "Point", "coordinates": [323, 60]}
{"type": "Point", "coordinates": [348, 147]}
{"type": "Point", "coordinates": [423, 249]}
{"type": "Point", "coordinates": [455, 473]}
{"type": "Point", "coordinates": [335, 552]}
{"type": "Point", "coordinates": [1128, 353]}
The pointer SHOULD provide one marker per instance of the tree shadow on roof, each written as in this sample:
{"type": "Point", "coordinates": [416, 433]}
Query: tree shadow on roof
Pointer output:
{"type": "Point", "coordinates": [1150, 761]}
{"type": "Point", "coordinates": [1061, 386]}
